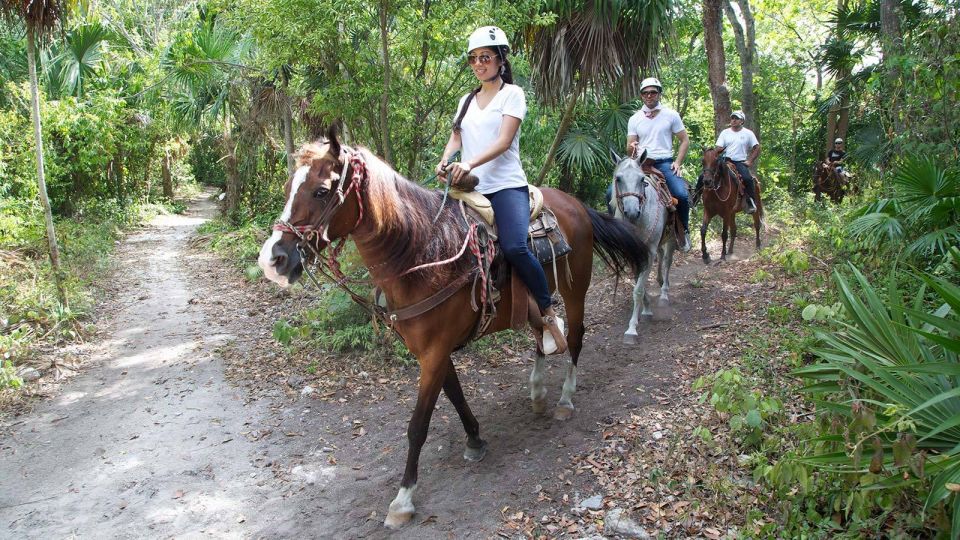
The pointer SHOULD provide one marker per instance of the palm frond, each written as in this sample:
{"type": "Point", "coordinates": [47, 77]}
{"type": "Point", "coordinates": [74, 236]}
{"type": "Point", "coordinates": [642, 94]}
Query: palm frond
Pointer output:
{"type": "Point", "coordinates": [876, 228]}
{"type": "Point", "coordinates": [582, 150]}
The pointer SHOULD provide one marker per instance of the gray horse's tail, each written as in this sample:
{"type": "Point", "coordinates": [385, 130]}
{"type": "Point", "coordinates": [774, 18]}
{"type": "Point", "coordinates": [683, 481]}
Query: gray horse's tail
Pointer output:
{"type": "Point", "coordinates": [617, 243]}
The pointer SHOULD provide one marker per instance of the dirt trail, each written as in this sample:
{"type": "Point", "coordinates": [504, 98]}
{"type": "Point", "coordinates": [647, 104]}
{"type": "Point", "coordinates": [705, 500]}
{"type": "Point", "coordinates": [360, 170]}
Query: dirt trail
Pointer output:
{"type": "Point", "coordinates": [155, 442]}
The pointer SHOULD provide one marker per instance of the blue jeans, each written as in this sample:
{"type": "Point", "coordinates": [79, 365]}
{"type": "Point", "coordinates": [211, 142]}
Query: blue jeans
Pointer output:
{"type": "Point", "coordinates": [511, 209]}
{"type": "Point", "coordinates": [677, 187]}
{"type": "Point", "coordinates": [747, 179]}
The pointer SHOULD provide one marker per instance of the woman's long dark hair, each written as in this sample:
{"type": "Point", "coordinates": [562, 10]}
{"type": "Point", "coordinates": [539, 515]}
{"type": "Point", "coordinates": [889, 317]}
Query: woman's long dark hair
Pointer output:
{"type": "Point", "coordinates": [506, 73]}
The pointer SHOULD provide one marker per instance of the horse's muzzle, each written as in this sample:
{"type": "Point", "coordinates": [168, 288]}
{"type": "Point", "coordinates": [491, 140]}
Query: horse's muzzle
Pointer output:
{"type": "Point", "coordinates": [286, 261]}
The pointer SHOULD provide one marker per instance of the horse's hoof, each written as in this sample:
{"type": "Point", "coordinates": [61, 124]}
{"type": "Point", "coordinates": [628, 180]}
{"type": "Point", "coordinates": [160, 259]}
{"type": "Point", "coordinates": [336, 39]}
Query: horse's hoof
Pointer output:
{"type": "Point", "coordinates": [646, 317]}
{"type": "Point", "coordinates": [562, 413]}
{"type": "Point", "coordinates": [706, 260]}
{"type": "Point", "coordinates": [629, 339]}
{"type": "Point", "coordinates": [476, 454]}
{"type": "Point", "coordinates": [395, 520]}
{"type": "Point", "coordinates": [663, 302]}
{"type": "Point", "coordinates": [539, 406]}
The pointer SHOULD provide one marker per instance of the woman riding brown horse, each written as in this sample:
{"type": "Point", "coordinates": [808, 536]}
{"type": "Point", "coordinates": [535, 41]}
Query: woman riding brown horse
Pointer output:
{"type": "Point", "coordinates": [338, 192]}
{"type": "Point", "coordinates": [722, 197]}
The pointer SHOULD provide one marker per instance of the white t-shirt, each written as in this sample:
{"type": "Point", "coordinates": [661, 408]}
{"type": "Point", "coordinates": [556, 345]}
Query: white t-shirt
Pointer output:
{"type": "Point", "coordinates": [737, 144]}
{"type": "Point", "coordinates": [656, 134]}
{"type": "Point", "coordinates": [480, 128]}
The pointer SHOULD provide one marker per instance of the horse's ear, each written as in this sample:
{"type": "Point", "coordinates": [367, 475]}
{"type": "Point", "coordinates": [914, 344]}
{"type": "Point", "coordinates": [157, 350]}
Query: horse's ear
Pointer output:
{"type": "Point", "coordinates": [333, 141]}
{"type": "Point", "coordinates": [615, 156]}
{"type": "Point", "coordinates": [642, 157]}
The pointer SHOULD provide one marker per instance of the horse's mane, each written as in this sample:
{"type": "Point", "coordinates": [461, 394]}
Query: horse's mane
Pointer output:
{"type": "Point", "coordinates": [399, 216]}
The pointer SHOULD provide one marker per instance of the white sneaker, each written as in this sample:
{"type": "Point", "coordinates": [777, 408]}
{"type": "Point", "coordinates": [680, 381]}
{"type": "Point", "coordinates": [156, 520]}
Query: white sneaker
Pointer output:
{"type": "Point", "coordinates": [549, 344]}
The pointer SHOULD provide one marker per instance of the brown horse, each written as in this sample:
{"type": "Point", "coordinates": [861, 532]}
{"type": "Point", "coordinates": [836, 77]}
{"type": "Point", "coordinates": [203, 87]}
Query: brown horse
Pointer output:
{"type": "Point", "coordinates": [827, 180]}
{"type": "Point", "coordinates": [721, 197]}
{"type": "Point", "coordinates": [338, 192]}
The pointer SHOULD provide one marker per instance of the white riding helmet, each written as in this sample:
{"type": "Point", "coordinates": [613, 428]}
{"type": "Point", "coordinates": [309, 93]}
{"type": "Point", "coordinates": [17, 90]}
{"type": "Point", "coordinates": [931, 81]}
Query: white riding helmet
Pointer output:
{"type": "Point", "coordinates": [651, 81]}
{"type": "Point", "coordinates": [739, 114]}
{"type": "Point", "coordinates": [487, 36]}
{"type": "Point", "coordinates": [839, 140]}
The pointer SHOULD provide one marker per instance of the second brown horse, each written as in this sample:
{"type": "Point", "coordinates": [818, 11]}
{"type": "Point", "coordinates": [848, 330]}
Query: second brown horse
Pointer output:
{"type": "Point", "coordinates": [722, 197]}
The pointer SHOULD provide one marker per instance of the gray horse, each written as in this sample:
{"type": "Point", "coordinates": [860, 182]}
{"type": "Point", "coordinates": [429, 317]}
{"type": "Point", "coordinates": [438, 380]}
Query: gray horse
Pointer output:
{"type": "Point", "coordinates": [633, 197]}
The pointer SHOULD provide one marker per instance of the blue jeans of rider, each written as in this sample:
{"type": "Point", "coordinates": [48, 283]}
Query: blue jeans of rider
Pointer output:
{"type": "Point", "coordinates": [747, 179]}
{"type": "Point", "coordinates": [678, 188]}
{"type": "Point", "coordinates": [511, 209]}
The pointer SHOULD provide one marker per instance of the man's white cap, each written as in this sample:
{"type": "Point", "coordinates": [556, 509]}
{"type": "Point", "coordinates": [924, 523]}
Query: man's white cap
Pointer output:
{"type": "Point", "coordinates": [651, 81]}
{"type": "Point", "coordinates": [487, 36]}
{"type": "Point", "coordinates": [837, 140]}
{"type": "Point", "coordinates": [738, 114]}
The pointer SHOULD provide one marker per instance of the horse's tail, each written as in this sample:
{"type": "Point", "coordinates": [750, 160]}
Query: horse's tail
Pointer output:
{"type": "Point", "coordinates": [617, 243]}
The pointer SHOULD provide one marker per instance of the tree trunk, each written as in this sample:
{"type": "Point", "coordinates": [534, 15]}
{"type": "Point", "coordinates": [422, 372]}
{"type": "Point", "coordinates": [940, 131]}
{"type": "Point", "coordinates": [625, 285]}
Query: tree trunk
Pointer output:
{"type": "Point", "coordinates": [41, 175]}
{"type": "Point", "coordinates": [891, 43]}
{"type": "Point", "coordinates": [565, 121]}
{"type": "Point", "coordinates": [746, 40]}
{"type": "Point", "coordinates": [166, 176]}
{"type": "Point", "coordinates": [287, 120]}
{"type": "Point", "coordinates": [146, 171]}
{"type": "Point", "coordinates": [231, 200]}
{"type": "Point", "coordinates": [831, 128]}
{"type": "Point", "coordinates": [385, 96]}
{"type": "Point", "coordinates": [716, 62]}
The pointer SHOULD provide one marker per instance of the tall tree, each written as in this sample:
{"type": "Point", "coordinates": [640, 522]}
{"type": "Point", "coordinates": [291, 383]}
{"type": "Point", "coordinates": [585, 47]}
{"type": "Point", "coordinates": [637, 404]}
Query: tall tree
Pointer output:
{"type": "Point", "coordinates": [599, 44]}
{"type": "Point", "coordinates": [891, 43]}
{"type": "Point", "coordinates": [716, 63]}
{"type": "Point", "coordinates": [746, 39]}
{"type": "Point", "coordinates": [40, 17]}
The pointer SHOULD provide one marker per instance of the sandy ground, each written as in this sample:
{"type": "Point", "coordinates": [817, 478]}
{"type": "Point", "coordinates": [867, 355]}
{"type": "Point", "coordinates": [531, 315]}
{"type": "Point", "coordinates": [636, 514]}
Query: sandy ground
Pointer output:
{"type": "Point", "coordinates": [154, 441]}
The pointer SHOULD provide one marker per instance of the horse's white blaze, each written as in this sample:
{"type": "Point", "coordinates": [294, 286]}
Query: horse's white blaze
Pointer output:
{"type": "Point", "coordinates": [537, 389]}
{"type": "Point", "coordinates": [569, 387]}
{"type": "Point", "coordinates": [403, 502]}
{"type": "Point", "coordinates": [265, 260]}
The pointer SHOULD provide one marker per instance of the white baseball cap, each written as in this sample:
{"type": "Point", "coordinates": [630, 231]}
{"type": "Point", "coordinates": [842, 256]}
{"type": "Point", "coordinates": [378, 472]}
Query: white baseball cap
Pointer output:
{"type": "Point", "coordinates": [738, 114]}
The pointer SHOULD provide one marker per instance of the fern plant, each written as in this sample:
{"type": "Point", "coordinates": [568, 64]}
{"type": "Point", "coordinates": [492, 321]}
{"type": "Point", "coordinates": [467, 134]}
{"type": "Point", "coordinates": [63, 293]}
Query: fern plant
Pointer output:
{"type": "Point", "coordinates": [889, 385]}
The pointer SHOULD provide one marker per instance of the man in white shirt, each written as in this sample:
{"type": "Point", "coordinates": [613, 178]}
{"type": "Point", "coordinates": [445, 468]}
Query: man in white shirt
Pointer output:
{"type": "Point", "coordinates": [654, 127]}
{"type": "Point", "coordinates": [740, 145]}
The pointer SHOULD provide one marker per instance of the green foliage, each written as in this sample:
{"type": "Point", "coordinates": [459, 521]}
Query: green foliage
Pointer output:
{"type": "Point", "coordinates": [888, 389]}
{"type": "Point", "coordinates": [920, 221]}
{"type": "Point", "coordinates": [793, 261]}
{"type": "Point", "coordinates": [8, 376]}
{"type": "Point", "coordinates": [733, 394]}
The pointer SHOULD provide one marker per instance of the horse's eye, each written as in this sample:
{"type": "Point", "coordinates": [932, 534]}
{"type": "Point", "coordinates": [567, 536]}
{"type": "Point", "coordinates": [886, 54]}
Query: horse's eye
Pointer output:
{"type": "Point", "coordinates": [320, 193]}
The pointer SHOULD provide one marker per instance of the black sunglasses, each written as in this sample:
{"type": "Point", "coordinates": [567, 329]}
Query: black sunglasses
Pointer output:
{"type": "Point", "coordinates": [650, 93]}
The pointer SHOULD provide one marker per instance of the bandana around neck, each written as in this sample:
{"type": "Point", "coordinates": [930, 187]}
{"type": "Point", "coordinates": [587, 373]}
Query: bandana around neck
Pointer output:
{"type": "Point", "coordinates": [650, 113]}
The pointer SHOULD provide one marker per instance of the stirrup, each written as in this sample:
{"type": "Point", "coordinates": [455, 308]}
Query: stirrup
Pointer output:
{"type": "Point", "coordinates": [550, 345]}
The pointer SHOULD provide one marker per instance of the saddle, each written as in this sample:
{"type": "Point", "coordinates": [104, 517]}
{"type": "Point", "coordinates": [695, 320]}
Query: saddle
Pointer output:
{"type": "Point", "coordinates": [544, 238]}
{"type": "Point", "coordinates": [666, 198]}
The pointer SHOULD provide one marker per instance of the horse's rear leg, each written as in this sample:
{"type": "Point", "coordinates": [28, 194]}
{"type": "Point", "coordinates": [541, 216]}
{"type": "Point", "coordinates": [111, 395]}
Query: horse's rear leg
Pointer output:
{"type": "Point", "coordinates": [573, 301]}
{"type": "Point", "coordinates": [663, 271]}
{"type": "Point", "coordinates": [758, 223]}
{"type": "Point", "coordinates": [433, 375]}
{"type": "Point", "coordinates": [538, 391]}
{"type": "Point", "coordinates": [476, 447]}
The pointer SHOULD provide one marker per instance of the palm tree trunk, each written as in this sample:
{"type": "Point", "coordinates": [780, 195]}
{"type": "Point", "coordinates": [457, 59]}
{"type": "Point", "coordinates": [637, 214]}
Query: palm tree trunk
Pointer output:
{"type": "Point", "coordinates": [565, 122]}
{"type": "Point", "coordinates": [41, 176]}
{"type": "Point", "coordinates": [232, 200]}
{"type": "Point", "coordinates": [287, 119]}
{"type": "Point", "coordinates": [166, 176]}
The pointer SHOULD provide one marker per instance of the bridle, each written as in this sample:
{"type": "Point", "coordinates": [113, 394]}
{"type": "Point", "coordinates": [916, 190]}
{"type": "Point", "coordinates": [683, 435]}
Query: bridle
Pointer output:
{"type": "Point", "coordinates": [309, 233]}
{"type": "Point", "coordinates": [641, 196]}
{"type": "Point", "coordinates": [712, 181]}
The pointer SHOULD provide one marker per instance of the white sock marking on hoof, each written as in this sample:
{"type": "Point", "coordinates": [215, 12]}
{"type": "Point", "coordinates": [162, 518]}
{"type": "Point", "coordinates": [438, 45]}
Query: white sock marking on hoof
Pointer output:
{"type": "Point", "coordinates": [401, 509]}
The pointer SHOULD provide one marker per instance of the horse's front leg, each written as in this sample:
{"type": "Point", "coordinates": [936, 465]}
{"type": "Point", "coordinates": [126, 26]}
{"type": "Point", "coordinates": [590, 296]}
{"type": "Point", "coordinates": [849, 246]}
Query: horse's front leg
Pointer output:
{"type": "Point", "coordinates": [723, 237]}
{"type": "Point", "coordinates": [703, 237]}
{"type": "Point", "coordinates": [476, 447]}
{"type": "Point", "coordinates": [757, 224]}
{"type": "Point", "coordinates": [639, 298]}
{"type": "Point", "coordinates": [733, 231]}
{"type": "Point", "coordinates": [433, 375]}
